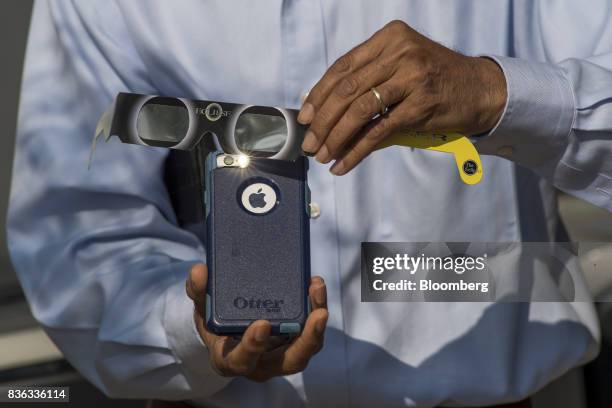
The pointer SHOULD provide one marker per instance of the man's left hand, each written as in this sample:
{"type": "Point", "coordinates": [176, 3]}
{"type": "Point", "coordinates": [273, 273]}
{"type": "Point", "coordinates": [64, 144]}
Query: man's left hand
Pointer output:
{"type": "Point", "coordinates": [426, 87]}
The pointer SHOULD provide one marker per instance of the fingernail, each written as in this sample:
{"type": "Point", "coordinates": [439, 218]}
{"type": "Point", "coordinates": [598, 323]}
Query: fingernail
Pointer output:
{"type": "Point", "coordinates": [320, 295]}
{"type": "Point", "coordinates": [310, 142]}
{"type": "Point", "coordinates": [319, 278]}
{"type": "Point", "coordinates": [261, 334]}
{"type": "Point", "coordinates": [323, 155]}
{"type": "Point", "coordinates": [338, 168]}
{"type": "Point", "coordinates": [306, 114]}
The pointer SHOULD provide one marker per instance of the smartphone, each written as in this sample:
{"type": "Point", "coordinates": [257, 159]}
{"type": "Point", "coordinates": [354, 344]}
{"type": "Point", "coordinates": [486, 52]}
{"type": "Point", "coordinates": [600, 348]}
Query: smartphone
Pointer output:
{"type": "Point", "coordinates": [258, 243]}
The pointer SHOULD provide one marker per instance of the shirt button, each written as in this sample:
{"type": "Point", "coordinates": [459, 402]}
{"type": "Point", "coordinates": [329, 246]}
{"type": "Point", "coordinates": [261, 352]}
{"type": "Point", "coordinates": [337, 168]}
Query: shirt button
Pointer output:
{"type": "Point", "coordinates": [505, 151]}
{"type": "Point", "coordinates": [315, 210]}
{"type": "Point", "coordinates": [303, 96]}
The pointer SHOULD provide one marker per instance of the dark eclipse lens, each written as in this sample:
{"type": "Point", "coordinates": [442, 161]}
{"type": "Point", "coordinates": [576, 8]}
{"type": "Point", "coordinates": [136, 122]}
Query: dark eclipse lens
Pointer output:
{"type": "Point", "coordinates": [163, 122]}
{"type": "Point", "coordinates": [260, 131]}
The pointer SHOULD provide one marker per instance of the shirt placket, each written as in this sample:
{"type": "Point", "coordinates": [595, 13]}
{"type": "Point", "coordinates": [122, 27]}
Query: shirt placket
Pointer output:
{"type": "Point", "coordinates": [304, 62]}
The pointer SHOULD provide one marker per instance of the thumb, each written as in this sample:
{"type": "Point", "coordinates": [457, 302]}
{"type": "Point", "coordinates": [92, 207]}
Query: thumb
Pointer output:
{"type": "Point", "coordinates": [196, 285]}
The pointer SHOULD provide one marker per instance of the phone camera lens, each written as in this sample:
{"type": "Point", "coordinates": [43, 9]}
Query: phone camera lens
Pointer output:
{"type": "Point", "coordinates": [228, 160]}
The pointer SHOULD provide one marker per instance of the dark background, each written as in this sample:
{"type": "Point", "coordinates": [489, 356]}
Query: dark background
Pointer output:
{"type": "Point", "coordinates": [584, 222]}
{"type": "Point", "coordinates": [14, 19]}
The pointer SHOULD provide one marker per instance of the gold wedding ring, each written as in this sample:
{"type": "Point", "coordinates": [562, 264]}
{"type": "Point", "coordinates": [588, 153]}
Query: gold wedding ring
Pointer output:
{"type": "Point", "coordinates": [383, 107]}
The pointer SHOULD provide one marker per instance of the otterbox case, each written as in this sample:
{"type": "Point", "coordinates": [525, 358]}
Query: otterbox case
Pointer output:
{"type": "Point", "coordinates": [257, 244]}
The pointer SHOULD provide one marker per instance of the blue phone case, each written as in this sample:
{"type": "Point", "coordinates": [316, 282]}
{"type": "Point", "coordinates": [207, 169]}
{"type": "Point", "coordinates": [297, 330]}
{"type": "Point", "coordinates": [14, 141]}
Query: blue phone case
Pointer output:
{"type": "Point", "coordinates": [258, 263]}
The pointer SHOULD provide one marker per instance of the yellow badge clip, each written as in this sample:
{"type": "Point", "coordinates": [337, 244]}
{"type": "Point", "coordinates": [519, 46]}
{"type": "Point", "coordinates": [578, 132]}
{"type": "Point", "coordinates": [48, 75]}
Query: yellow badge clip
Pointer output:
{"type": "Point", "coordinates": [466, 156]}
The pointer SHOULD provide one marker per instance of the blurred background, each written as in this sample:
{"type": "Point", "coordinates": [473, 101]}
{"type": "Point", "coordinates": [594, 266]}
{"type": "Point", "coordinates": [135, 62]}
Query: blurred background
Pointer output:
{"type": "Point", "coordinates": [28, 357]}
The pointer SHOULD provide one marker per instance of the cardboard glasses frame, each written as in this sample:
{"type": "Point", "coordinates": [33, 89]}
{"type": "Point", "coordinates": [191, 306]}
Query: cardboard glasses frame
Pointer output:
{"type": "Point", "coordinates": [259, 131]}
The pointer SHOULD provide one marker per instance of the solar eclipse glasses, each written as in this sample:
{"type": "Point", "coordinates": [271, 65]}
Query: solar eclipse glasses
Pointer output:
{"type": "Point", "coordinates": [250, 130]}
{"type": "Point", "coordinates": [183, 124]}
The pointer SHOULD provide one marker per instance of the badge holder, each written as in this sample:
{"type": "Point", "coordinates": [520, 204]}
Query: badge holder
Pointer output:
{"type": "Point", "coordinates": [466, 156]}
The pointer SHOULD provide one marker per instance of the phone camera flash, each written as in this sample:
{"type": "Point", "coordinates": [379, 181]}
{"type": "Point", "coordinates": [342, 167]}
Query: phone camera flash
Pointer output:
{"type": "Point", "coordinates": [243, 161]}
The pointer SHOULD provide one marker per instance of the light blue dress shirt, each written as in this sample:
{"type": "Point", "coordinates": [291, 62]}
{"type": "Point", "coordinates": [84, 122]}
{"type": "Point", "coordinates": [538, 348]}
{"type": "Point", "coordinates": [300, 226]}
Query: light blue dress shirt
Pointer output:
{"type": "Point", "coordinates": [103, 262]}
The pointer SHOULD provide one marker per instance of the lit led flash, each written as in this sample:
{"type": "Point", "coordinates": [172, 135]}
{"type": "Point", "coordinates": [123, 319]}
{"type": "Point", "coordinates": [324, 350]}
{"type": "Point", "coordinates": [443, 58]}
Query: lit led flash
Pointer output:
{"type": "Point", "coordinates": [243, 161]}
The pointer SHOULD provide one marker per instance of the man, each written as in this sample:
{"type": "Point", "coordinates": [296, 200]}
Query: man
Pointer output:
{"type": "Point", "coordinates": [104, 264]}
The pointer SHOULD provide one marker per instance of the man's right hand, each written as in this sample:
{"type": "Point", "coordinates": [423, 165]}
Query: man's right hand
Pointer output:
{"type": "Point", "coordinates": [257, 355]}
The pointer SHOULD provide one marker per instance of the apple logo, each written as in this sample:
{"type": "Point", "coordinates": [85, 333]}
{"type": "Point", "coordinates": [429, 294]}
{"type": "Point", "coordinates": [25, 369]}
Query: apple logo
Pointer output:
{"type": "Point", "coordinates": [257, 199]}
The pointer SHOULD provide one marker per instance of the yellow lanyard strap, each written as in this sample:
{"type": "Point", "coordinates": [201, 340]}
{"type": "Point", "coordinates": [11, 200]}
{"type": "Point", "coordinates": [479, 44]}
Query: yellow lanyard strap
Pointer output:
{"type": "Point", "coordinates": [466, 157]}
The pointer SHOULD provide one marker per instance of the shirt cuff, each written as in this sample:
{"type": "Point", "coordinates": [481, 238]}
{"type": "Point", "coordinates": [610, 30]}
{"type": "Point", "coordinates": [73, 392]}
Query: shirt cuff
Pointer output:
{"type": "Point", "coordinates": [534, 128]}
{"type": "Point", "coordinates": [186, 343]}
